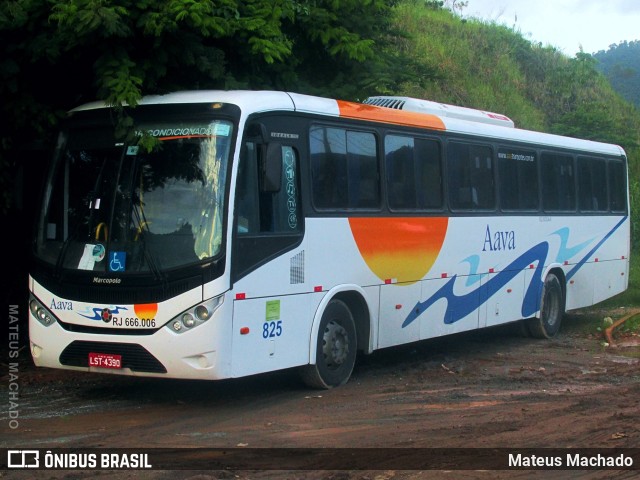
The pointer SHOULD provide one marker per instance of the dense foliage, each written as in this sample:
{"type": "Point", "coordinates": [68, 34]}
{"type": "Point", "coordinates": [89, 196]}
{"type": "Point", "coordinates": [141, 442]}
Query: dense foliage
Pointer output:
{"type": "Point", "coordinates": [621, 65]}
{"type": "Point", "coordinates": [56, 54]}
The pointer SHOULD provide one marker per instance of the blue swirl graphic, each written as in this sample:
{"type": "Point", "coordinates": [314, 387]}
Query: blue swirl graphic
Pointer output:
{"type": "Point", "coordinates": [474, 277]}
{"type": "Point", "coordinates": [459, 306]}
{"type": "Point", "coordinates": [564, 252]}
{"type": "Point", "coordinates": [97, 312]}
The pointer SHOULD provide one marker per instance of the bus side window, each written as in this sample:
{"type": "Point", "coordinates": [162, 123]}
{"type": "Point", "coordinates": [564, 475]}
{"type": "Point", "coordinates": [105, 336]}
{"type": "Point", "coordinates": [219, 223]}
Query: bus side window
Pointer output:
{"type": "Point", "coordinates": [260, 212]}
{"type": "Point", "coordinates": [558, 183]}
{"type": "Point", "coordinates": [471, 177]}
{"type": "Point", "coordinates": [617, 187]}
{"type": "Point", "coordinates": [592, 184]}
{"type": "Point", "coordinates": [518, 180]}
{"type": "Point", "coordinates": [413, 173]}
{"type": "Point", "coordinates": [329, 167]}
{"type": "Point", "coordinates": [344, 169]}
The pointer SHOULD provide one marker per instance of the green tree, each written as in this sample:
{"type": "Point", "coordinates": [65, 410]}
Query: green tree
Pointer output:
{"type": "Point", "coordinates": [56, 54]}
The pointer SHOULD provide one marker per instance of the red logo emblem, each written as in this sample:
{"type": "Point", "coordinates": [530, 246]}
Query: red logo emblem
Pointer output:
{"type": "Point", "coordinates": [106, 315]}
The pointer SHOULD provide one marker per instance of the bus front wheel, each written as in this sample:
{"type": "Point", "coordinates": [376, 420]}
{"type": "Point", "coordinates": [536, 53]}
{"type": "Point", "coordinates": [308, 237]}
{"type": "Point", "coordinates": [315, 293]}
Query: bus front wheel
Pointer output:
{"type": "Point", "coordinates": [551, 309]}
{"type": "Point", "coordinates": [335, 349]}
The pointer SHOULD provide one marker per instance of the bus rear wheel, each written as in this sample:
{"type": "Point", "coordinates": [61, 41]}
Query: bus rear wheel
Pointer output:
{"type": "Point", "coordinates": [551, 309]}
{"type": "Point", "coordinates": [335, 349]}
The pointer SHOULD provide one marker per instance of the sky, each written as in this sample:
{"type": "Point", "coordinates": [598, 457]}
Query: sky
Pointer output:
{"type": "Point", "coordinates": [567, 25]}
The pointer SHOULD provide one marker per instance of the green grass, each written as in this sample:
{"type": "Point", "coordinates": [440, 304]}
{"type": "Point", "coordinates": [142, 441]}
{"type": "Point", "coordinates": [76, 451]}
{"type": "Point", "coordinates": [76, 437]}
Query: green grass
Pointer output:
{"type": "Point", "coordinates": [631, 325]}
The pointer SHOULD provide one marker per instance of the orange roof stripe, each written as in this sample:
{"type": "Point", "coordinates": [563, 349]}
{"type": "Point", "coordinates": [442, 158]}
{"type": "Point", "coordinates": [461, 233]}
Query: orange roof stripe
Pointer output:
{"type": "Point", "coordinates": [360, 111]}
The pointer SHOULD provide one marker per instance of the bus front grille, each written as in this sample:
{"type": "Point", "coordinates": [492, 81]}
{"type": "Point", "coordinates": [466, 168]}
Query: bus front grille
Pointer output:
{"type": "Point", "coordinates": [134, 356]}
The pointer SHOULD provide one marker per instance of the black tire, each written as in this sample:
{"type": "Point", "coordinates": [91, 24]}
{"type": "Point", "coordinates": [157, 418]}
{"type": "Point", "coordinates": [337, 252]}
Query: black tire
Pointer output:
{"type": "Point", "coordinates": [551, 309]}
{"type": "Point", "coordinates": [335, 350]}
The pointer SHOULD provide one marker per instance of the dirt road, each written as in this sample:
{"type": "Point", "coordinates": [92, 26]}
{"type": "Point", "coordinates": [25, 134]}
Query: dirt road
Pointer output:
{"type": "Point", "coordinates": [491, 388]}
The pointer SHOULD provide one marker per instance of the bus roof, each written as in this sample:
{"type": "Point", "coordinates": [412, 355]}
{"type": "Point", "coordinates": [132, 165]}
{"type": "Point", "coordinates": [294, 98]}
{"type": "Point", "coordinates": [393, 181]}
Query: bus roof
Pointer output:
{"type": "Point", "coordinates": [441, 109]}
{"type": "Point", "coordinates": [413, 112]}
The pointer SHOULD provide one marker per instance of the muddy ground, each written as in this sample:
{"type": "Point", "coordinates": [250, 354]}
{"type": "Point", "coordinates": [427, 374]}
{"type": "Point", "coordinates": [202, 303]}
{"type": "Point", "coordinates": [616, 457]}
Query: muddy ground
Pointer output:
{"type": "Point", "coordinates": [492, 388]}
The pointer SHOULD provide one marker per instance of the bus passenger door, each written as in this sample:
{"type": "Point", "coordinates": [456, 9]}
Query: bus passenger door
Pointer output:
{"type": "Point", "coordinates": [268, 216]}
{"type": "Point", "coordinates": [271, 321]}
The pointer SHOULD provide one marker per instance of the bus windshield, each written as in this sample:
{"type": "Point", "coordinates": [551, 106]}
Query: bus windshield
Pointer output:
{"type": "Point", "coordinates": [116, 207]}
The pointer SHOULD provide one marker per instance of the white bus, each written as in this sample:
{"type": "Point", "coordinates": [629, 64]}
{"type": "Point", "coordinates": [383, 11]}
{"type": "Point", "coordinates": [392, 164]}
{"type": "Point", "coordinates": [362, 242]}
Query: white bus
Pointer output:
{"type": "Point", "coordinates": [269, 230]}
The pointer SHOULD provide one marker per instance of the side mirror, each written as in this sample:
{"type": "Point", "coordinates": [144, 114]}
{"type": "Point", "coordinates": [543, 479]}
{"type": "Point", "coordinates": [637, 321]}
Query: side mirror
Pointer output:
{"type": "Point", "coordinates": [271, 168]}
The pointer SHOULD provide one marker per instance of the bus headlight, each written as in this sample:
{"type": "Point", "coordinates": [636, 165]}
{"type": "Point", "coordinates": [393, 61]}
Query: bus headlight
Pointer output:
{"type": "Point", "coordinates": [195, 316]}
{"type": "Point", "coordinates": [188, 320]}
{"type": "Point", "coordinates": [202, 313]}
{"type": "Point", "coordinates": [40, 313]}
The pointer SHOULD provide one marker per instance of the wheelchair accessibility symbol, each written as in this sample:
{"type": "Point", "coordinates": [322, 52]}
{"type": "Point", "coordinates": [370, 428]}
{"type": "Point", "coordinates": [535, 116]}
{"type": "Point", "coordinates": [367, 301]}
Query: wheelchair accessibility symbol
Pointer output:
{"type": "Point", "coordinates": [117, 261]}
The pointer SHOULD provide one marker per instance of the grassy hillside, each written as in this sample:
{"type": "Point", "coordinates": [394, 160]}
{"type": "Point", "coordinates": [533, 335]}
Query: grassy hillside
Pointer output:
{"type": "Point", "coordinates": [469, 63]}
{"type": "Point", "coordinates": [489, 66]}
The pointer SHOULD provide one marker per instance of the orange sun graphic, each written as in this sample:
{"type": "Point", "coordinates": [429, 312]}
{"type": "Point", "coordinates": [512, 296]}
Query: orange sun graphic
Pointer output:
{"type": "Point", "coordinates": [403, 249]}
{"type": "Point", "coordinates": [146, 310]}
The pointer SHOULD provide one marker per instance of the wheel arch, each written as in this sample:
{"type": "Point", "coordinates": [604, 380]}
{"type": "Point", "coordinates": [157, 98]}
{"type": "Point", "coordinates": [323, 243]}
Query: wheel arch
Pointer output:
{"type": "Point", "coordinates": [356, 300]}
{"type": "Point", "coordinates": [557, 270]}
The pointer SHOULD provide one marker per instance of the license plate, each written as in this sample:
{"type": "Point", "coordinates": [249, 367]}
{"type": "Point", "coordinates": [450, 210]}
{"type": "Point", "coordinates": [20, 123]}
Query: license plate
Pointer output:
{"type": "Point", "coordinates": [105, 360]}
